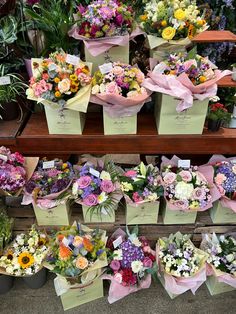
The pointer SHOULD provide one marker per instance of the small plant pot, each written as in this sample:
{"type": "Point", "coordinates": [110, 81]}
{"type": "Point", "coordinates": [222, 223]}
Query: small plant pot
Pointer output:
{"type": "Point", "coordinates": [6, 283]}
{"type": "Point", "coordinates": [38, 280]}
{"type": "Point", "coordinates": [214, 125]}
{"type": "Point", "coordinates": [9, 111]}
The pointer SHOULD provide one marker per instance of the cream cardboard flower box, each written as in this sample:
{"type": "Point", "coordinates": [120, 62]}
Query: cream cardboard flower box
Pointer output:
{"type": "Point", "coordinates": [56, 216]}
{"type": "Point", "coordinates": [119, 53]}
{"type": "Point", "coordinates": [72, 122]}
{"type": "Point", "coordinates": [98, 217]}
{"type": "Point", "coordinates": [177, 217]}
{"type": "Point", "coordinates": [221, 214]}
{"type": "Point", "coordinates": [145, 213]}
{"type": "Point", "coordinates": [168, 121]}
{"type": "Point", "coordinates": [78, 296]}
{"type": "Point", "coordinates": [215, 287]}
{"type": "Point", "coordinates": [121, 125]}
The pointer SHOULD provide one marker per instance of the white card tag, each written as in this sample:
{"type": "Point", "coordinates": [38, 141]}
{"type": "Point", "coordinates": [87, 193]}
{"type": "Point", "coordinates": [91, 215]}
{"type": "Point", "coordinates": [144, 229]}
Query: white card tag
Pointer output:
{"type": "Point", "coordinates": [3, 157]}
{"type": "Point", "coordinates": [184, 163]}
{"type": "Point", "coordinates": [105, 68]}
{"type": "Point", "coordinates": [66, 242]}
{"type": "Point", "coordinates": [5, 80]}
{"type": "Point", "coordinates": [72, 59]}
{"type": "Point", "coordinates": [94, 172]}
{"type": "Point", "coordinates": [104, 211]}
{"type": "Point", "coordinates": [117, 242]}
{"type": "Point", "coordinates": [48, 164]}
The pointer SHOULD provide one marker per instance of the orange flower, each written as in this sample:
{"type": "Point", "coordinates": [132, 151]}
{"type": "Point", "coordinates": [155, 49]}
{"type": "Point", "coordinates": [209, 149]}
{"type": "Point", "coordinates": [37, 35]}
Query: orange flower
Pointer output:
{"type": "Point", "coordinates": [45, 76]}
{"type": "Point", "coordinates": [57, 94]}
{"type": "Point", "coordinates": [60, 237]}
{"type": "Point", "coordinates": [56, 80]}
{"type": "Point", "coordinates": [60, 58]}
{"type": "Point", "coordinates": [64, 252]}
{"type": "Point", "coordinates": [81, 262]}
{"type": "Point", "coordinates": [87, 245]}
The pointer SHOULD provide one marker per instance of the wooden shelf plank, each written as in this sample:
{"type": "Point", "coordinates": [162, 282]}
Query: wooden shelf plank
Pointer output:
{"type": "Point", "coordinates": [35, 139]}
{"type": "Point", "coordinates": [214, 36]}
{"type": "Point", "coordinates": [226, 81]}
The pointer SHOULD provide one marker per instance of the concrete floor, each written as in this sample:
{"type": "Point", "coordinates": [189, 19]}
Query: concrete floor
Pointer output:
{"type": "Point", "coordinates": [22, 300]}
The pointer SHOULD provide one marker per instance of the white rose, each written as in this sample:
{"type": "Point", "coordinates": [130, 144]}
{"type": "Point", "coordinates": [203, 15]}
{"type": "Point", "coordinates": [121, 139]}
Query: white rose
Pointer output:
{"type": "Point", "coordinates": [117, 255]}
{"type": "Point", "coordinates": [183, 191]}
{"type": "Point", "coordinates": [95, 89]}
{"type": "Point", "coordinates": [64, 85]}
{"type": "Point", "coordinates": [105, 175]}
{"type": "Point", "coordinates": [136, 266]}
{"type": "Point", "coordinates": [230, 258]}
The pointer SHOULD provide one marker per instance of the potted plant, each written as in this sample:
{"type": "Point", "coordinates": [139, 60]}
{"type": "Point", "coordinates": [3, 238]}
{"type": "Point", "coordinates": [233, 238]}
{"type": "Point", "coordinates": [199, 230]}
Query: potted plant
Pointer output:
{"type": "Point", "coordinates": [217, 115]}
{"type": "Point", "coordinates": [6, 282]}
{"type": "Point", "coordinates": [11, 87]}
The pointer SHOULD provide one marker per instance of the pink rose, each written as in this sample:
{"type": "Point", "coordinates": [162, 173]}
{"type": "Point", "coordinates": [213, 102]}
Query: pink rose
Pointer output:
{"type": "Point", "coordinates": [140, 77]}
{"type": "Point", "coordinates": [131, 173]}
{"type": "Point", "coordinates": [184, 204]}
{"type": "Point", "coordinates": [147, 262]}
{"type": "Point", "coordinates": [90, 200]}
{"type": "Point", "coordinates": [118, 277]}
{"type": "Point", "coordinates": [107, 186]}
{"type": "Point", "coordinates": [84, 181]}
{"type": "Point", "coordinates": [118, 71]}
{"type": "Point", "coordinates": [220, 178]}
{"type": "Point", "coordinates": [185, 175]}
{"type": "Point", "coordinates": [199, 194]}
{"type": "Point", "coordinates": [136, 197]}
{"type": "Point", "coordinates": [169, 178]}
{"type": "Point", "coordinates": [115, 265]}
{"type": "Point", "coordinates": [112, 88]}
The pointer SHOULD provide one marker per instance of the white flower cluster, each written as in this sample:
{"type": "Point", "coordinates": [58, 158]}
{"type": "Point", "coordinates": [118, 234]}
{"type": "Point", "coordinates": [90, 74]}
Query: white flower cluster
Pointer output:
{"type": "Point", "coordinates": [26, 254]}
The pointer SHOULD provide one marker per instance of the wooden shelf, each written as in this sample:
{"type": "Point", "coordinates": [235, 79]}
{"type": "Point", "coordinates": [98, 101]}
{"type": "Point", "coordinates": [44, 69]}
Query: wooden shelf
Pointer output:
{"type": "Point", "coordinates": [35, 140]}
{"type": "Point", "coordinates": [8, 132]}
{"type": "Point", "coordinates": [214, 36]}
{"type": "Point", "coordinates": [226, 81]}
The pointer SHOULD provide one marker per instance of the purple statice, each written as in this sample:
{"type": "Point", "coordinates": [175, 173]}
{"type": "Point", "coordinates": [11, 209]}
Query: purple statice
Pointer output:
{"type": "Point", "coordinates": [130, 253]}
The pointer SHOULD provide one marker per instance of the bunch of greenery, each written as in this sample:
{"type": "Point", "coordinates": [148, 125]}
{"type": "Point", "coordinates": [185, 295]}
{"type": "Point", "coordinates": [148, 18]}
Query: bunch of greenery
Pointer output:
{"type": "Point", "coordinates": [5, 230]}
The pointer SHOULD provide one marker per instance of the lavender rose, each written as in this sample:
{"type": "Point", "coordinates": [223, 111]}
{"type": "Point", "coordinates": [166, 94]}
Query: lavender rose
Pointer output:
{"type": "Point", "coordinates": [107, 186]}
{"type": "Point", "coordinates": [185, 175]}
{"type": "Point", "coordinates": [84, 181]}
{"type": "Point", "coordinates": [199, 194]}
{"type": "Point", "coordinates": [115, 265]}
{"type": "Point", "coordinates": [169, 178]}
{"type": "Point", "coordinates": [90, 200]}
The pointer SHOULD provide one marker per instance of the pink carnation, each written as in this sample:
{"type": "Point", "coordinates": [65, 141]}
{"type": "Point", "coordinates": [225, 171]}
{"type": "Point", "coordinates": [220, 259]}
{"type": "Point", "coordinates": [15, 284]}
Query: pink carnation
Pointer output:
{"type": "Point", "coordinates": [136, 197]}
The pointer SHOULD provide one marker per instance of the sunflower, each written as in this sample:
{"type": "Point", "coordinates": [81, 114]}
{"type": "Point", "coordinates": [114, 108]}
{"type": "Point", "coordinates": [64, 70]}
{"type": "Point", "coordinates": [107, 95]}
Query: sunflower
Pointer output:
{"type": "Point", "coordinates": [42, 241]}
{"type": "Point", "coordinates": [9, 255]}
{"type": "Point", "coordinates": [25, 260]}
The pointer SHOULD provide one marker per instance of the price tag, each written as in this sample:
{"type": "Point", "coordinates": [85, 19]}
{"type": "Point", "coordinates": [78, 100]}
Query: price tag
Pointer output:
{"type": "Point", "coordinates": [48, 164]}
{"type": "Point", "coordinates": [105, 68]}
{"type": "Point", "coordinates": [117, 242]}
{"type": "Point", "coordinates": [3, 157]}
{"type": "Point", "coordinates": [72, 59]}
{"type": "Point", "coordinates": [184, 163]}
{"type": "Point", "coordinates": [66, 242]}
{"type": "Point", "coordinates": [94, 172]}
{"type": "Point", "coordinates": [104, 211]}
{"type": "Point", "coordinates": [5, 80]}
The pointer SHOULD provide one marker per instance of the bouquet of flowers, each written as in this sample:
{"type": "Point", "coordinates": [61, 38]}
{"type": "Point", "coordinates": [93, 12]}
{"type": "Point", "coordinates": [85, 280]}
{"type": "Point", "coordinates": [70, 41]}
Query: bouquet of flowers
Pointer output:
{"type": "Point", "coordinates": [25, 255]}
{"type": "Point", "coordinates": [48, 187]}
{"type": "Point", "coordinates": [97, 187]}
{"type": "Point", "coordinates": [188, 188]}
{"type": "Point", "coordinates": [103, 24]}
{"type": "Point", "coordinates": [14, 171]}
{"type": "Point", "coordinates": [186, 76]}
{"type": "Point", "coordinates": [119, 90]}
{"type": "Point", "coordinates": [142, 184]}
{"type": "Point", "coordinates": [222, 257]}
{"type": "Point", "coordinates": [225, 179]}
{"type": "Point", "coordinates": [172, 21]}
{"type": "Point", "coordinates": [131, 262]}
{"type": "Point", "coordinates": [77, 254]}
{"type": "Point", "coordinates": [180, 263]}
{"type": "Point", "coordinates": [58, 82]}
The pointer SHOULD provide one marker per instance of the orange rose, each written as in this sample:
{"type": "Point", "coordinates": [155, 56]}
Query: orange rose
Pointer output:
{"type": "Point", "coordinates": [81, 262]}
{"type": "Point", "coordinates": [77, 241]}
{"type": "Point", "coordinates": [87, 245]}
{"type": "Point", "coordinates": [64, 252]}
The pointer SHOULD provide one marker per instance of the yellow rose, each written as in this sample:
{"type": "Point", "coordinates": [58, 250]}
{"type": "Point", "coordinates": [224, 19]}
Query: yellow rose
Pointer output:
{"type": "Point", "coordinates": [168, 33]}
{"type": "Point", "coordinates": [81, 262]}
{"type": "Point", "coordinates": [179, 14]}
{"type": "Point", "coordinates": [64, 85]}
